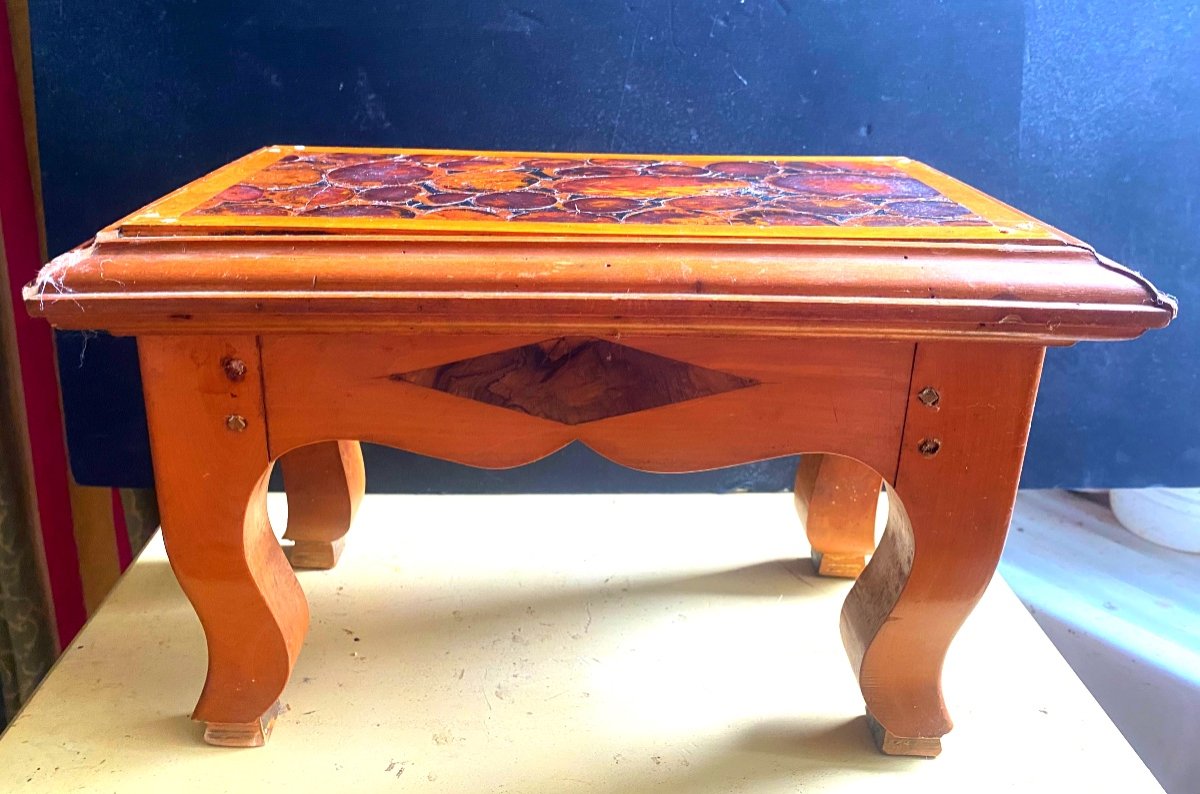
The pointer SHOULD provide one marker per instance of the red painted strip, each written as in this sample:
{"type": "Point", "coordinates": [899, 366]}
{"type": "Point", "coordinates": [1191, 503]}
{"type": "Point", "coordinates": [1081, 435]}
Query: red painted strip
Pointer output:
{"type": "Point", "coordinates": [35, 349]}
{"type": "Point", "coordinates": [124, 551]}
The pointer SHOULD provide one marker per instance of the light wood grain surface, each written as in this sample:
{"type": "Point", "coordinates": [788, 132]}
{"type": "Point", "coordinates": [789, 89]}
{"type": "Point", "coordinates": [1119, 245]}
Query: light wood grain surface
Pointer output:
{"type": "Point", "coordinates": [553, 644]}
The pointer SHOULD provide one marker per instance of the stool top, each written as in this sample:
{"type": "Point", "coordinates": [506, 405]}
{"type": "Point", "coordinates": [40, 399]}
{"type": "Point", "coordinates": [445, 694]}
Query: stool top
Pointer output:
{"type": "Point", "coordinates": [294, 237]}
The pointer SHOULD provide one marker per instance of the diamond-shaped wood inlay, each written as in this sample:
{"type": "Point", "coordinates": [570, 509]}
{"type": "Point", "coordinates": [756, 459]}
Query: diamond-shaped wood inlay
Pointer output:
{"type": "Point", "coordinates": [574, 380]}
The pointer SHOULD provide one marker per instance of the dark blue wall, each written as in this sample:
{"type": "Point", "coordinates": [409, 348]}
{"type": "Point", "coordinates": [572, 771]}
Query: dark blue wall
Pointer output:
{"type": "Point", "coordinates": [1085, 114]}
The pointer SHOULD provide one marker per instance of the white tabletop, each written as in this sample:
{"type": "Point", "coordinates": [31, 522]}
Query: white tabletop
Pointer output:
{"type": "Point", "coordinates": [554, 644]}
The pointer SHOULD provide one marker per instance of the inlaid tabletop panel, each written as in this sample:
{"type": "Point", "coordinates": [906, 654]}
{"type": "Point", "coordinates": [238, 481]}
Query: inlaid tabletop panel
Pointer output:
{"type": "Point", "coordinates": [295, 188]}
{"type": "Point", "coordinates": [337, 239]}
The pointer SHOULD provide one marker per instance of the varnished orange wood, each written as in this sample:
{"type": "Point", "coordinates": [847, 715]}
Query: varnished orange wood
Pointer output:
{"type": "Point", "coordinates": [838, 396]}
{"type": "Point", "coordinates": [212, 484]}
{"type": "Point", "coordinates": [167, 269]}
{"type": "Point", "coordinates": [948, 516]}
{"type": "Point", "coordinates": [325, 483]}
{"type": "Point", "coordinates": [1049, 292]}
{"type": "Point", "coordinates": [837, 499]}
{"type": "Point", "coordinates": [706, 326]}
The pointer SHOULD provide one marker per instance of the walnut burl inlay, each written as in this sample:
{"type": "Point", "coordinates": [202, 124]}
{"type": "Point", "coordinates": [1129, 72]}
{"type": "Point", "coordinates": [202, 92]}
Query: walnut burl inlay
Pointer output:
{"type": "Point", "coordinates": [574, 380]}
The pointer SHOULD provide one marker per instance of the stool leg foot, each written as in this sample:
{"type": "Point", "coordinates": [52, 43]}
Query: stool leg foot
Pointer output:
{"type": "Point", "coordinates": [944, 534]}
{"type": "Point", "coordinates": [842, 566]}
{"type": "Point", "coordinates": [212, 476]}
{"type": "Point", "coordinates": [325, 483]}
{"type": "Point", "coordinates": [891, 744]}
{"type": "Point", "coordinates": [836, 499]}
{"type": "Point", "coordinates": [318, 555]}
{"type": "Point", "coordinates": [242, 734]}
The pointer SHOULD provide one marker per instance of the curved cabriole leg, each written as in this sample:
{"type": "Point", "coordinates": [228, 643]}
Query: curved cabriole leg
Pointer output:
{"type": "Point", "coordinates": [957, 480]}
{"type": "Point", "coordinates": [325, 483]}
{"type": "Point", "coordinates": [836, 499]}
{"type": "Point", "coordinates": [209, 438]}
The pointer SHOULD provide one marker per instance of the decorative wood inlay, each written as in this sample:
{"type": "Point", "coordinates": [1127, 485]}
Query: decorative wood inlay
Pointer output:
{"type": "Point", "coordinates": [574, 380]}
{"type": "Point", "coordinates": [581, 189]}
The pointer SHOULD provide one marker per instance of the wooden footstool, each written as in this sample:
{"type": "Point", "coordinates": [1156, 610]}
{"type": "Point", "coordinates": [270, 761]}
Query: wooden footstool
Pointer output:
{"type": "Point", "coordinates": [672, 313]}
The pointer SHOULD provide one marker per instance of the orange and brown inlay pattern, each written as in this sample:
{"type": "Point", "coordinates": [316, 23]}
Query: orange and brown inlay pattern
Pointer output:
{"type": "Point", "coordinates": [589, 190]}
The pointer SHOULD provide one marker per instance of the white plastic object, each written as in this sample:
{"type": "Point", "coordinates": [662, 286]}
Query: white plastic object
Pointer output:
{"type": "Point", "coordinates": [1167, 516]}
